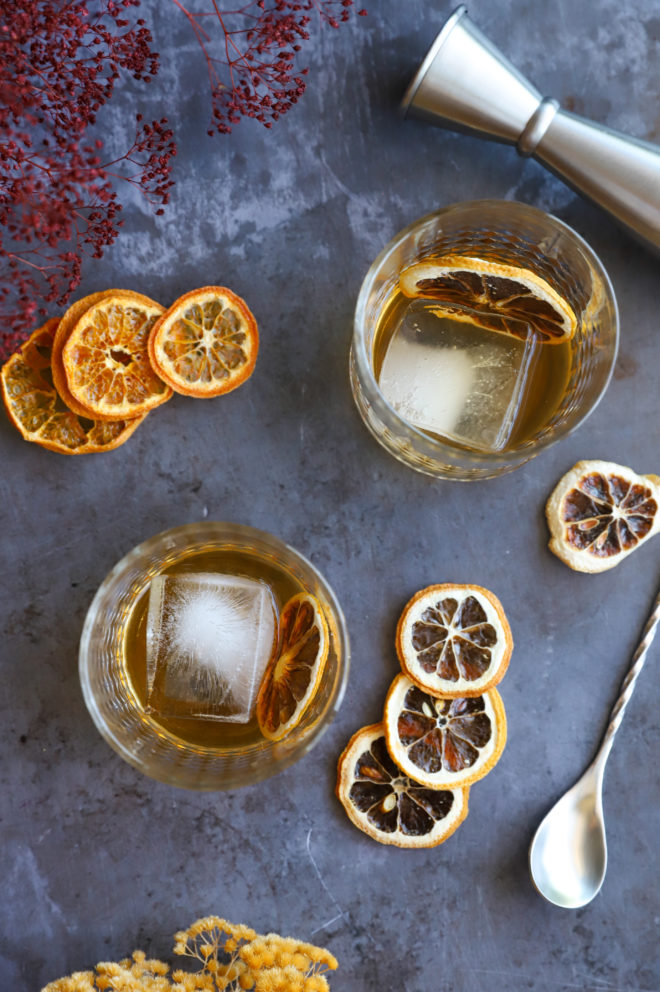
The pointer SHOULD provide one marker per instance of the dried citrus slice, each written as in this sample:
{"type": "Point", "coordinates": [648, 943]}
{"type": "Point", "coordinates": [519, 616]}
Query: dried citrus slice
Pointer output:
{"type": "Point", "coordinates": [500, 297]}
{"type": "Point", "coordinates": [600, 512]}
{"type": "Point", "coordinates": [443, 743]}
{"type": "Point", "coordinates": [454, 640]}
{"type": "Point", "coordinates": [294, 673]}
{"type": "Point", "coordinates": [106, 358]}
{"type": "Point", "coordinates": [67, 322]}
{"type": "Point", "coordinates": [387, 805]}
{"type": "Point", "coordinates": [38, 412]}
{"type": "Point", "coordinates": [206, 343]}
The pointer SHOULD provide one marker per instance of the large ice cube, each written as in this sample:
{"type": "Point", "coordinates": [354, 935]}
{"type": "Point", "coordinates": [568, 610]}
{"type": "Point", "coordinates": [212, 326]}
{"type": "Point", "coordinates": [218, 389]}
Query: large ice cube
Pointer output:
{"type": "Point", "coordinates": [455, 379]}
{"type": "Point", "coordinates": [209, 638]}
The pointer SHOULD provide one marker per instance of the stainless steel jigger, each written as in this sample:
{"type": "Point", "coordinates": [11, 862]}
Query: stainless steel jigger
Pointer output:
{"type": "Point", "coordinates": [466, 84]}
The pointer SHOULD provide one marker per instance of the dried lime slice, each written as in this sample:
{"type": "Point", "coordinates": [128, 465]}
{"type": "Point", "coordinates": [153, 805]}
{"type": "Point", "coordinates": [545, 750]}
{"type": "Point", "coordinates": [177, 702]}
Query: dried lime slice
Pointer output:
{"type": "Point", "coordinates": [443, 743]}
{"type": "Point", "coordinates": [600, 512]}
{"type": "Point", "coordinates": [388, 806]}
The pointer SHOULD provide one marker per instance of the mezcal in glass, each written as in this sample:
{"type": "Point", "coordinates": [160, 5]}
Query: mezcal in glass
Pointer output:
{"type": "Point", "coordinates": [454, 399]}
{"type": "Point", "coordinates": [195, 589]}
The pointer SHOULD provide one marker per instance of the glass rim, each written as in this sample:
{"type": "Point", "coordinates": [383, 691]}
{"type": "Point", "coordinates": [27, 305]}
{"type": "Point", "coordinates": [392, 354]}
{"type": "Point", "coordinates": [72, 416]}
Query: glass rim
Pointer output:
{"type": "Point", "coordinates": [430, 447]}
{"type": "Point", "coordinates": [232, 535]}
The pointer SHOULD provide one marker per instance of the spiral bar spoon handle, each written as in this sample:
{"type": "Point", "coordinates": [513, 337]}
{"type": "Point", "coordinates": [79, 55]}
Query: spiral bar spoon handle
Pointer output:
{"type": "Point", "coordinates": [628, 684]}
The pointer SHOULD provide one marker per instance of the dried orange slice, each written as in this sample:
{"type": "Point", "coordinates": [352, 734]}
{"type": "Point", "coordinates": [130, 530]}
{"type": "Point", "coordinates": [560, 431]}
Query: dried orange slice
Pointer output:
{"type": "Point", "coordinates": [385, 804]}
{"type": "Point", "coordinates": [600, 512]}
{"type": "Point", "coordinates": [37, 411]}
{"type": "Point", "coordinates": [443, 743]}
{"type": "Point", "coordinates": [67, 322]}
{"type": "Point", "coordinates": [206, 343]}
{"type": "Point", "coordinates": [500, 297]}
{"type": "Point", "coordinates": [454, 640]}
{"type": "Point", "coordinates": [294, 673]}
{"type": "Point", "coordinates": [106, 358]}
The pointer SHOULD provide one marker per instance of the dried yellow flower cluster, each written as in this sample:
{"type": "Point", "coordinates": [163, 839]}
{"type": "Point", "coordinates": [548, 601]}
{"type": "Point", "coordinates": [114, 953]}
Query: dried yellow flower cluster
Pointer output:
{"type": "Point", "coordinates": [233, 957]}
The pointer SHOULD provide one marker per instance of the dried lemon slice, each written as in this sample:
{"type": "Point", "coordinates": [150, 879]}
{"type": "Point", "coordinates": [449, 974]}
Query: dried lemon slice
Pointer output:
{"type": "Point", "coordinates": [499, 297]}
{"type": "Point", "coordinates": [68, 321]}
{"type": "Point", "coordinates": [106, 358]}
{"type": "Point", "coordinates": [206, 343]}
{"type": "Point", "coordinates": [454, 640]}
{"type": "Point", "coordinates": [600, 512]}
{"type": "Point", "coordinates": [443, 743]}
{"type": "Point", "coordinates": [294, 673]}
{"type": "Point", "coordinates": [387, 805]}
{"type": "Point", "coordinates": [38, 412]}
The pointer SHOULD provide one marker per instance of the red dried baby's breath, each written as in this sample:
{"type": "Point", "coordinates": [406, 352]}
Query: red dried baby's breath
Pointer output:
{"type": "Point", "coordinates": [251, 66]}
{"type": "Point", "coordinates": [59, 64]}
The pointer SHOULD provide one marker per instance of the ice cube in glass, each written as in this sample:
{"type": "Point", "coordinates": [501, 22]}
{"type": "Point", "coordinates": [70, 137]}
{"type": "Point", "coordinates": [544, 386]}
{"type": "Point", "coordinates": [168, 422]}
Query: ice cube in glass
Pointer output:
{"type": "Point", "coordinates": [209, 639]}
{"type": "Point", "coordinates": [450, 377]}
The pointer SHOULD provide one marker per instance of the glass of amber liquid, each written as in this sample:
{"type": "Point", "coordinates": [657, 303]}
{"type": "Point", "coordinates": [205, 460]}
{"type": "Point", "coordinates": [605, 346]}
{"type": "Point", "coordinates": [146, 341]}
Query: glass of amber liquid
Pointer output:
{"type": "Point", "coordinates": [176, 643]}
{"type": "Point", "coordinates": [483, 333]}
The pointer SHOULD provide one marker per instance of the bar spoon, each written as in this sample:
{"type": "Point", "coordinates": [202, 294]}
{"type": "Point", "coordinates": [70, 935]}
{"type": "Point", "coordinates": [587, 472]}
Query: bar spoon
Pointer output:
{"type": "Point", "coordinates": [568, 854]}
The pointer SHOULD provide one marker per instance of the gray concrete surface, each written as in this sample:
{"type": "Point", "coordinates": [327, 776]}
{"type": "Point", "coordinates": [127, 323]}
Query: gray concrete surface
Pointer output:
{"type": "Point", "coordinates": [95, 859]}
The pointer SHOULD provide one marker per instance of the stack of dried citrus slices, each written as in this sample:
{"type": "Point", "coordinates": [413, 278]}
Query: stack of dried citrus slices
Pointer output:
{"type": "Point", "coordinates": [405, 781]}
{"type": "Point", "coordinates": [84, 382]}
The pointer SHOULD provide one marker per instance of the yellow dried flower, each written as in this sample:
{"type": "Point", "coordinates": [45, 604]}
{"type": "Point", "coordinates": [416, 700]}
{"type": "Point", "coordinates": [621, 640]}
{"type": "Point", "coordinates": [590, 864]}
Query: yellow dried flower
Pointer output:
{"type": "Point", "coordinates": [180, 940]}
{"type": "Point", "coordinates": [316, 983]}
{"type": "Point", "coordinates": [241, 932]}
{"type": "Point", "coordinates": [268, 981]}
{"type": "Point", "coordinates": [318, 954]}
{"type": "Point", "coordinates": [186, 981]}
{"type": "Point", "coordinates": [286, 979]}
{"type": "Point", "coordinates": [110, 968]}
{"type": "Point", "coordinates": [232, 957]}
{"type": "Point", "coordinates": [80, 981]}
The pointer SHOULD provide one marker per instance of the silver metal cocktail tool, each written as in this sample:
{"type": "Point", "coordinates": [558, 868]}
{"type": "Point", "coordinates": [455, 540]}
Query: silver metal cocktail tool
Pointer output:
{"type": "Point", "coordinates": [466, 84]}
{"type": "Point", "coordinates": [568, 855]}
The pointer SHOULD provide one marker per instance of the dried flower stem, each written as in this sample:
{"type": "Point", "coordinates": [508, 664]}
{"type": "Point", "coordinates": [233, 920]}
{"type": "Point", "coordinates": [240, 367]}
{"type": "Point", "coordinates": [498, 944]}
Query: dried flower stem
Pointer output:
{"type": "Point", "coordinates": [257, 56]}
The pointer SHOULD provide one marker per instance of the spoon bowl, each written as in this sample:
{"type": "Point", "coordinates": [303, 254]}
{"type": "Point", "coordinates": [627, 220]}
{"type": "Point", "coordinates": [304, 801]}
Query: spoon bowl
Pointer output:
{"type": "Point", "coordinates": [568, 855]}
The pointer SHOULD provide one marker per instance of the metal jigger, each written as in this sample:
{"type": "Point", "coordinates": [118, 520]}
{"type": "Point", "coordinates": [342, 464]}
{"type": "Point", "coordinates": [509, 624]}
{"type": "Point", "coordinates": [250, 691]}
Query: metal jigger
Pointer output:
{"type": "Point", "coordinates": [466, 84]}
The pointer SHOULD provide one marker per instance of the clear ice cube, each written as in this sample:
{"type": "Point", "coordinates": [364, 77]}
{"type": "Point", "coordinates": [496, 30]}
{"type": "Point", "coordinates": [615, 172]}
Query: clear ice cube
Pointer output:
{"type": "Point", "coordinates": [209, 639]}
{"type": "Point", "coordinates": [452, 378]}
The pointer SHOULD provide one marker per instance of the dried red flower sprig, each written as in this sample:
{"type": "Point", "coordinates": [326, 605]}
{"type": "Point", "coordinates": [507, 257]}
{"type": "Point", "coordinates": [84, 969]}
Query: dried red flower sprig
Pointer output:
{"type": "Point", "coordinates": [254, 73]}
{"type": "Point", "coordinates": [59, 63]}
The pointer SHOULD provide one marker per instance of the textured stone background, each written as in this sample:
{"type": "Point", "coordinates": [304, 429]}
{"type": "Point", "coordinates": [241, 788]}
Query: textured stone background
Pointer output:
{"type": "Point", "coordinates": [94, 858]}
